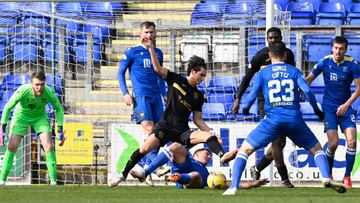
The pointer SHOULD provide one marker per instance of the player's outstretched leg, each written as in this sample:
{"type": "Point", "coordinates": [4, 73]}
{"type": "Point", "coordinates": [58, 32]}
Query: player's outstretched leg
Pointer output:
{"type": "Point", "coordinates": [228, 156]}
{"type": "Point", "coordinates": [238, 168]}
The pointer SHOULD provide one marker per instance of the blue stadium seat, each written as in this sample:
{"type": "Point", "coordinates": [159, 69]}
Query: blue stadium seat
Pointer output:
{"type": "Point", "coordinates": [354, 46]}
{"type": "Point", "coordinates": [9, 15]}
{"type": "Point", "coordinates": [331, 14]}
{"type": "Point", "coordinates": [259, 17]}
{"type": "Point", "coordinates": [222, 84]}
{"type": "Point", "coordinates": [98, 9]}
{"type": "Point", "coordinates": [317, 47]}
{"type": "Point", "coordinates": [119, 7]}
{"type": "Point", "coordinates": [48, 53]}
{"type": "Point", "coordinates": [39, 15]}
{"type": "Point", "coordinates": [283, 3]}
{"type": "Point", "coordinates": [237, 14]}
{"type": "Point", "coordinates": [308, 112]}
{"type": "Point", "coordinates": [58, 87]}
{"type": "Point", "coordinates": [256, 43]}
{"type": "Point", "coordinates": [68, 9]}
{"type": "Point", "coordinates": [13, 81]}
{"type": "Point", "coordinates": [347, 3]}
{"type": "Point", "coordinates": [353, 18]}
{"type": "Point", "coordinates": [80, 50]}
{"type": "Point", "coordinates": [213, 112]}
{"type": "Point", "coordinates": [206, 14]}
{"type": "Point", "coordinates": [3, 43]}
{"type": "Point", "coordinates": [302, 13]}
{"type": "Point", "coordinates": [25, 49]}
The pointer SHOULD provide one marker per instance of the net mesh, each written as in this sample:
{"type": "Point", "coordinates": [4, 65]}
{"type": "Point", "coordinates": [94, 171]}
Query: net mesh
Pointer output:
{"type": "Point", "coordinates": [80, 44]}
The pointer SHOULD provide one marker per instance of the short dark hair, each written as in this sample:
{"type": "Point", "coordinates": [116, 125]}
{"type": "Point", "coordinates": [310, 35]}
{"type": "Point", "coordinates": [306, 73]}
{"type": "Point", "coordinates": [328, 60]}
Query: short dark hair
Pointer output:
{"type": "Point", "coordinates": [273, 29]}
{"type": "Point", "coordinates": [278, 49]}
{"type": "Point", "coordinates": [39, 74]}
{"type": "Point", "coordinates": [202, 149]}
{"type": "Point", "coordinates": [341, 40]}
{"type": "Point", "coordinates": [147, 24]}
{"type": "Point", "coordinates": [196, 63]}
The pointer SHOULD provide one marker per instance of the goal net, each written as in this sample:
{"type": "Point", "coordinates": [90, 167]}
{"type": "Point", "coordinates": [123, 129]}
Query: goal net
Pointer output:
{"type": "Point", "coordinates": [79, 46]}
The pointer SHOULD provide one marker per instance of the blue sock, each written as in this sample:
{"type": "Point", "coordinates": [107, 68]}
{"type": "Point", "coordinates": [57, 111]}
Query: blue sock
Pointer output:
{"type": "Point", "coordinates": [160, 160]}
{"type": "Point", "coordinates": [184, 179]}
{"type": "Point", "coordinates": [238, 168]}
{"type": "Point", "coordinates": [322, 163]}
{"type": "Point", "coordinates": [151, 156]}
{"type": "Point", "coordinates": [350, 159]}
{"type": "Point", "coordinates": [330, 159]}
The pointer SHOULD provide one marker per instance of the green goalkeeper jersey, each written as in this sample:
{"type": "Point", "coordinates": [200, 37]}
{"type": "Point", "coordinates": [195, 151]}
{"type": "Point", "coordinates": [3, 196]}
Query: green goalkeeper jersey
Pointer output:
{"type": "Point", "coordinates": [30, 107]}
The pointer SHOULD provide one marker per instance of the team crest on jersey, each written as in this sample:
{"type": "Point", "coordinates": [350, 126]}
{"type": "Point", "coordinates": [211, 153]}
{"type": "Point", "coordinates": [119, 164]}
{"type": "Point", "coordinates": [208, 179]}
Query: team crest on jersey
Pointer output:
{"type": "Point", "coordinates": [44, 100]}
{"type": "Point", "coordinates": [161, 134]}
{"type": "Point", "coordinates": [345, 68]}
{"type": "Point", "coordinates": [196, 95]}
{"type": "Point", "coordinates": [183, 85]}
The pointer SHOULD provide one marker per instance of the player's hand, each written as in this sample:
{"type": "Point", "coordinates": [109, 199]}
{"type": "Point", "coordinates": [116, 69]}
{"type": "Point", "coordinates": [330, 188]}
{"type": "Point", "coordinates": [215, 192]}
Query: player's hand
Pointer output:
{"type": "Point", "coordinates": [218, 136]}
{"type": "Point", "coordinates": [260, 182]}
{"type": "Point", "coordinates": [61, 136]}
{"type": "Point", "coordinates": [147, 42]}
{"type": "Point", "coordinates": [3, 135]}
{"type": "Point", "coordinates": [320, 114]}
{"type": "Point", "coordinates": [342, 109]}
{"type": "Point", "coordinates": [246, 111]}
{"type": "Point", "coordinates": [128, 99]}
{"type": "Point", "coordinates": [235, 108]}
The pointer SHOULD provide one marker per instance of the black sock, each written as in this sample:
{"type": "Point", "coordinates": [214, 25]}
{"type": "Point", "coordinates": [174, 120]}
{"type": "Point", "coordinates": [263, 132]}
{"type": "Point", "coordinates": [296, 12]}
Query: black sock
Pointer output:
{"type": "Point", "coordinates": [215, 146]}
{"type": "Point", "coordinates": [264, 162]}
{"type": "Point", "coordinates": [134, 159]}
{"type": "Point", "coordinates": [282, 170]}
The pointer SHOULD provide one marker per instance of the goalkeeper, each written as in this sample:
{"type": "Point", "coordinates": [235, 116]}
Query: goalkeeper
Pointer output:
{"type": "Point", "coordinates": [30, 100]}
{"type": "Point", "coordinates": [186, 171]}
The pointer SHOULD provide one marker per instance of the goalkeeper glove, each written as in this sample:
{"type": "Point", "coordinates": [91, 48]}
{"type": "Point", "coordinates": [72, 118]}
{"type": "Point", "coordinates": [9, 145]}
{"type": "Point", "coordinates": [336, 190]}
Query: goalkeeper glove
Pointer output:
{"type": "Point", "coordinates": [320, 114]}
{"type": "Point", "coordinates": [61, 136]}
{"type": "Point", "coordinates": [3, 136]}
{"type": "Point", "coordinates": [246, 111]}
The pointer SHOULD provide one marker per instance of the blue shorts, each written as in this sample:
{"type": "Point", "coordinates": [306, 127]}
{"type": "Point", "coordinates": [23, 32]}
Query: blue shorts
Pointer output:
{"type": "Point", "coordinates": [191, 165]}
{"type": "Point", "coordinates": [147, 109]}
{"type": "Point", "coordinates": [331, 120]}
{"type": "Point", "coordinates": [267, 131]}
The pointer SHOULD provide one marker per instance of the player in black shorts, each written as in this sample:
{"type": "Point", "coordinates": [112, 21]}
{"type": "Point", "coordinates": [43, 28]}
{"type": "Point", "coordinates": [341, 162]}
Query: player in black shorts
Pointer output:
{"type": "Point", "coordinates": [260, 60]}
{"type": "Point", "coordinates": [183, 98]}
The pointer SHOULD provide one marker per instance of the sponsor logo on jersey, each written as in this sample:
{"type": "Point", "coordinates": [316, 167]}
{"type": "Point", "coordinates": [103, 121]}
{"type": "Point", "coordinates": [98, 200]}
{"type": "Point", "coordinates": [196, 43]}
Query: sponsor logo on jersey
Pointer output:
{"type": "Point", "coordinates": [147, 63]}
{"type": "Point", "coordinates": [161, 134]}
{"type": "Point", "coordinates": [196, 95]}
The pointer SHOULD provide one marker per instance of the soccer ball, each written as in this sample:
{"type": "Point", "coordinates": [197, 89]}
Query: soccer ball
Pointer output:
{"type": "Point", "coordinates": [216, 180]}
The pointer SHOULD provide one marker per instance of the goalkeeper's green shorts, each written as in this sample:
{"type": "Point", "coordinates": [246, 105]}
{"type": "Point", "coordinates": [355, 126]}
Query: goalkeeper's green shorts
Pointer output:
{"type": "Point", "coordinates": [20, 126]}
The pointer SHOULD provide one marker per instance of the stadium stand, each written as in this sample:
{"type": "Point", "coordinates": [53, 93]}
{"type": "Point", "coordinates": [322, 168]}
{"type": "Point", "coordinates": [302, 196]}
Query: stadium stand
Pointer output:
{"type": "Point", "coordinates": [302, 13]}
{"type": "Point", "coordinates": [353, 17]}
{"type": "Point", "coordinates": [237, 13]}
{"type": "Point", "coordinates": [331, 14]}
{"type": "Point", "coordinates": [208, 14]}
{"type": "Point", "coordinates": [213, 112]}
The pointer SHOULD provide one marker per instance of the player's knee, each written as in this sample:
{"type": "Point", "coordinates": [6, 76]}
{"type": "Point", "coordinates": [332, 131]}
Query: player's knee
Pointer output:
{"type": "Point", "coordinates": [11, 148]}
{"type": "Point", "coordinates": [351, 143]}
{"type": "Point", "coordinates": [176, 148]}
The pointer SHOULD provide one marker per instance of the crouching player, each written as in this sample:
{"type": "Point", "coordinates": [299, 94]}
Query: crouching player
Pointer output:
{"type": "Point", "coordinates": [187, 171]}
{"type": "Point", "coordinates": [31, 100]}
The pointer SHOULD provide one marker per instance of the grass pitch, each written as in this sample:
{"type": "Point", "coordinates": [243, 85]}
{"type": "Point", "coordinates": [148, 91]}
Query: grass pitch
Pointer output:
{"type": "Point", "coordinates": [169, 194]}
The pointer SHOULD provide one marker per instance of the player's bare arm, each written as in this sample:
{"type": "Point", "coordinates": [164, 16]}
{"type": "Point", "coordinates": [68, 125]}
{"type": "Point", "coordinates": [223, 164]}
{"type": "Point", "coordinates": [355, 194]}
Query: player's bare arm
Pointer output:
{"type": "Point", "coordinates": [311, 77]}
{"type": "Point", "coordinates": [157, 67]}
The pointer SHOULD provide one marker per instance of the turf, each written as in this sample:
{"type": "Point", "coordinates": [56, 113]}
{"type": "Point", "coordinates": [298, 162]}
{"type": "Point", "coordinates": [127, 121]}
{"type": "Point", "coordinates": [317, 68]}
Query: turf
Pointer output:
{"type": "Point", "coordinates": [142, 194]}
